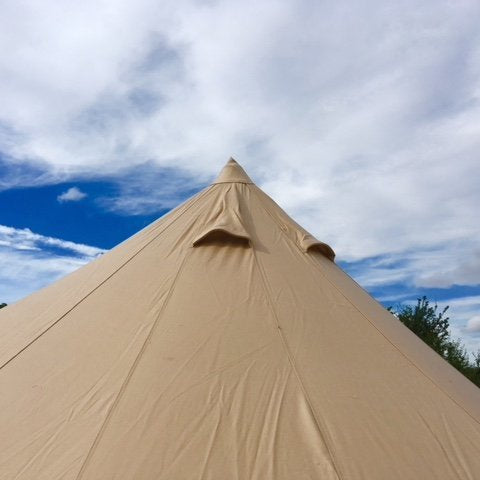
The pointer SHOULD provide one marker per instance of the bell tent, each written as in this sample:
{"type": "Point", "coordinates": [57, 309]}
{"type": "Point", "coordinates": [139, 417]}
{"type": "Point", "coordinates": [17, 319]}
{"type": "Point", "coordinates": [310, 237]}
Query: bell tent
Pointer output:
{"type": "Point", "coordinates": [222, 342]}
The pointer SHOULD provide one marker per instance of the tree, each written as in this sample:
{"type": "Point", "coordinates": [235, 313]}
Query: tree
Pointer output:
{"type": "Point", "coordinates": [3, 305]}
{"type": "Point", "coordinates": [432, 326]}
{"type": "Point", "coordinates": [427, 323]}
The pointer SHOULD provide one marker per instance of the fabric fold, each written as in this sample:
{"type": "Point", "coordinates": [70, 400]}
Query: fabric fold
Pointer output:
{"type": "Point", "coordinates": [225, 225]}
{"type": "Point", "coordinates": [308, 243]}
{"type": "Point", "coordinates": [221, 234]}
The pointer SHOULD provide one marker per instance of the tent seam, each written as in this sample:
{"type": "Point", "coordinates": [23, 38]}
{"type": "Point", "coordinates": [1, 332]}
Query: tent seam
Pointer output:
{"type": "Point", "coordinates": [323, 435]}
{"type": "Point", "coordinates": [104, 281]}
{"type": "Point", "coordinates": [317, 267]}
{"type": "Point", "coordinates": [132, 370]}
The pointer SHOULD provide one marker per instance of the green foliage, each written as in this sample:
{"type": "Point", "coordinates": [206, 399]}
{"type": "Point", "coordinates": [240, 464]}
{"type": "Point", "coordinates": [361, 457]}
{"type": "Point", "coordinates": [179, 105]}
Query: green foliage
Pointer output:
{"type": "Point", "coordinates": [3, 305]}
{"type": "Point", "coordinates": [426, 322]}
{"type": "Point", "coordinates": [432, 326]}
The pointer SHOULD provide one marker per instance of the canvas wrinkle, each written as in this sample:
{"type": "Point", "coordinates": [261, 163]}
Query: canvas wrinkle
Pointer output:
{"type": "Point", "coordinates": [274, 440]}
{"type": "Point", "coordinates": [56, 427]}
{"type": "Point", "coordinates": [130, 373]}
{"type": "Point", "coordinates": [186, 437]}
{"type": "Point", "coordinates": [167, 471]}
{"type": "Point", "coordinates": [181, 369]}
{"type": "Point", "coordinates": [53, 426]}
{"type": "Point", "coordinates": [456, 449]}
{"type": "Point", "coordinates": [214, 373]}
{"type": "Point", "coordinates": [210, 445]}
{"type": "Point", "coordinates": [101, 283]}
{"type": "Point", "coordinates": [242, 432]}
{"type": "Point", "coordinates": [272, 417]}
{"type": "Point", "coordinates": [440, 445]}
{"type": "Point", "coordinates": [31, 440]}
{"type": "Point", "coordinates": [44, 451]}
{"type": "Point", "coordinates": [302, 387]}
{"type": "Point", "coordinates": [69, 470]}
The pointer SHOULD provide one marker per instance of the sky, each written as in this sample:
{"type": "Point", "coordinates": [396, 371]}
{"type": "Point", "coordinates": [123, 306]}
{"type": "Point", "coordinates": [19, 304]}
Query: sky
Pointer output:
{"type": "Point", "coordinates": [361, 119]}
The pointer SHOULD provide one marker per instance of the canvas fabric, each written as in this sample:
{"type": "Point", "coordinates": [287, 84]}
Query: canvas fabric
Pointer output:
{"type": "Point", "coordinates": [223, 342]}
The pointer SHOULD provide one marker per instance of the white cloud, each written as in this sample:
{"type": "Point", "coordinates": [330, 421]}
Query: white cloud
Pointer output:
{"type": "Point", "coordinates": [25, 239]}
{"type": "Point", "coordinates": [473, 324]}
{"type": "Point", "coordinates": [73, 194]}
{"type": "Point", "coordinates": [462, 312]}
{"type": "Point", "coordinates": [436, 266]}
{"type": "Point", "coordinates": [361, 119]}
{"type": "Point", "coordinates": [29, 263]}
{"type": "Point", "coordinates": [472, 301]}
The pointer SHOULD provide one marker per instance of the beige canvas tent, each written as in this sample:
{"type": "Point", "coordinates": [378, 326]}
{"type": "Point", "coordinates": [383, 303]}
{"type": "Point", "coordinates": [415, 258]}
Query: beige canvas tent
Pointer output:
{"type": "Point", "coordinates": [223, 343]}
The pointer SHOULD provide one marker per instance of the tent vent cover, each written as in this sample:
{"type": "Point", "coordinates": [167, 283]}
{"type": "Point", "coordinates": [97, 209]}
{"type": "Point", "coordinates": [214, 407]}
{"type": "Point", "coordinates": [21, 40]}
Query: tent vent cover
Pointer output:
{"type": "Point", "coordinates": [218, 236]}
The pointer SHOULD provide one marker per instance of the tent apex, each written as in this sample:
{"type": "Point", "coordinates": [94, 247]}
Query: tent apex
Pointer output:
{"type": "Point", "coordinates": [232, 172]}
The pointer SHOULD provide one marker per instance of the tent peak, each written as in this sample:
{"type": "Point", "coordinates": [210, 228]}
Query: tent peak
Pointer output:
{"type": "Point", "coordinates": [232, 172]}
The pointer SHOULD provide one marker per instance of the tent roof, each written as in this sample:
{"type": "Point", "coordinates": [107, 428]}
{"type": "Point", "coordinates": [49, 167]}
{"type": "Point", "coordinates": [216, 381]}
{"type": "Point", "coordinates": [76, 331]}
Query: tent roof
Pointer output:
{"type": "Point", "coordinates": [232, 172]}
{"type": "Point", "coordinates": [221, 342]}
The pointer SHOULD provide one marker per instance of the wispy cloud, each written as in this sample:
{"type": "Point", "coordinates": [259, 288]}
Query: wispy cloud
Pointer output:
{"type": "Point", "coordinates": [30, 261]}
{"type": "Point", "coordinates": [25, 239]}
{"type": "Point", "coordinates": [148, 189]}
{"type": "Point", "coordinates": [73, 194]}
{"type": "Point", "coordinates": [439, 266]}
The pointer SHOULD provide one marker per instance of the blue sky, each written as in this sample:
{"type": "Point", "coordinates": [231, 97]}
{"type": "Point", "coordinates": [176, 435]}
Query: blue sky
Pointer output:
{"type": "Point", "coordinates": [361, 120]}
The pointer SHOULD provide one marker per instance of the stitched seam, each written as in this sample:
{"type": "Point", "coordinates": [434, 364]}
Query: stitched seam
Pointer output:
{"type": "Point", "coordinates": [103, 281]}
{"type": "Point", "coordinates": [317, 267]}
{"type": "Point", "coordinates": [294, 369]}
{"type": "Point", "coordinates": [131, 371]}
